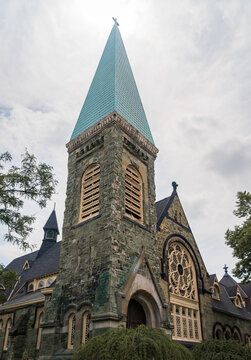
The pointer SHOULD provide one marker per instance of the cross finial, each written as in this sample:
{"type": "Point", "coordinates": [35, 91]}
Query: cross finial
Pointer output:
{"type": "Point", "coordinates": [174, 185]}
{"type": "Point", "coordinates": [115, 20]}
{"type": "Point", "coordinates": [225, 268]}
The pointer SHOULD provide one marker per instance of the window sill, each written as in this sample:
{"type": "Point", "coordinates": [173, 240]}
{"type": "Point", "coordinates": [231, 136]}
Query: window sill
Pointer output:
{"type": "Point", "coordinates": [86, 221]}
{"type": "Point", "coordinates": [136, 223]}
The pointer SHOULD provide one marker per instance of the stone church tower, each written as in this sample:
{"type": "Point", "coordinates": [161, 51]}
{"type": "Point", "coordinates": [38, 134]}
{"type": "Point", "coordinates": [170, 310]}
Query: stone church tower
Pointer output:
{"type": "Point", "coordinates": [109, 262]}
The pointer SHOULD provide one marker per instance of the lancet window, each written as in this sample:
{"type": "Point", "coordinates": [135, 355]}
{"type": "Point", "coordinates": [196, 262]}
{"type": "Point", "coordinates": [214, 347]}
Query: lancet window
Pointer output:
{"type": "Point", "coordinates": [39, 334]}
{"type": "Point", "coordinates": [7, 333]}
{"type": "Point", "coordinates": [89, 206]}
{"type": "Point", "coordinates": [183, 294]}
{"type": "Point", "coordinates": [133, 194]}
{"type": "Point", "coordinates": [86, 327]}
{"type": "Point", "coordinates": [71, 331]}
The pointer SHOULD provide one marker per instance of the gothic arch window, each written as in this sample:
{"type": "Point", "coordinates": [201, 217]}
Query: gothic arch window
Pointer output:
{"type": "Point", "coordinates": [216, 291]}
{"type": "Point", "coordinates": [227, 333]}
{"type": "Point", "coordinates": [86, 327]}
{"type": "Point", "coordinates": [7, 333]}
{"type": "Point", "coordinates": [238, 301]}
{"type": "Point", "coordinates": [40, 284]}
{"type": "Point", "coordinates": [39, 334]}
{"type": "Point", "coordinates": [71, 330]}
{"type": "Point", "coordinates": [89, 205]}
{"type": "Point", "coordinates": [218, 331]}
{"type": "Point", "coordinates": [133, 194]}
{"type": "Point", "coordinates": [184, 304]}
{"type": "Point", "coordinates": [236, 334]}
{"type": "Point", "coordinates": [31, 287]}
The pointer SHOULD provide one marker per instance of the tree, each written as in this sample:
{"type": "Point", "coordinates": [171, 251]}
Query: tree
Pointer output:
{"type": "Point", "coordinates": [221, 350]}
{"type": "Point", "coordinates": [7, 281]}
{"type": "Point", "coordinates": [239, 239]}
{"type": "Point", "coordinates": [142, 343]}
{"type": "Point", "coordinates": [31, 181]}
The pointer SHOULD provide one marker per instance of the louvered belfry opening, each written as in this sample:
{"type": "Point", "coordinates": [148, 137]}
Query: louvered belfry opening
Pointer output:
{"type": "Point", "coordinates": [133, 194]}
{"type": "Point", "coordinates": [90, 192]}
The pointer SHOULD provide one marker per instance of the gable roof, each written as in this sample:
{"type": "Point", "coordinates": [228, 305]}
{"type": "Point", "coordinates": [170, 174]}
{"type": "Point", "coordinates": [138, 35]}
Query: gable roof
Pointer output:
{"type": "Point", "coordinates": [113, 89]}
{"type": "Point", "coordinates": [225, 305]}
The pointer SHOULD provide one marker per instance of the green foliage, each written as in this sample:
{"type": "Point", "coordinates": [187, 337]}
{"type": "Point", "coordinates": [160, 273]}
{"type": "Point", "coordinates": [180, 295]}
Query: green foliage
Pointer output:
{"type": "Point", "coordinates": [32, 181]}
{"type": "Point", "coordinates": [142, 343]}
{"type": "Point", "coordinates": [239, 239]}
{"type": "Point", "coordinates": [7, 279]}
{"type": "Point", "coordinates": [221, 350]}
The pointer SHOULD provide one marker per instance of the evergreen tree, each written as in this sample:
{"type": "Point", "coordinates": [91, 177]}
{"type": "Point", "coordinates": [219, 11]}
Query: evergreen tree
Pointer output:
{"type": "Point", "coordinates": [32, 181]}
{"type": "Point", "coordinates": [142, 343]}
{"type": "Point", "coordinates": [239, 239]}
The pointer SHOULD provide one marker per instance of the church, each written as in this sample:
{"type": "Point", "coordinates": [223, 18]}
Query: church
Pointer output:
{"type": "Point", "coordinates": [124, 258]}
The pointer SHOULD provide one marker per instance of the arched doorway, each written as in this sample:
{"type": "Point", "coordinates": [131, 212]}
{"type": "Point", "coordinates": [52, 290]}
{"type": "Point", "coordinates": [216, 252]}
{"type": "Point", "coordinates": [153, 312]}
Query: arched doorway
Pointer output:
{"type": "Point", "coordinates": [135, 314]}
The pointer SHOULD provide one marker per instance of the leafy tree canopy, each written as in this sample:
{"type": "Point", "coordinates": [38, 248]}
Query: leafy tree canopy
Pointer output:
{"type": "Point", "coordinates": [221, 350]}
{"type": "Point", "coordinates": [239, 239]}
{"type": "Point", "coordinates": [142, 343]}
{"type": "Point", "coordinates": [7, 280]}
{"type": "Point", "coordinates": [32, 181]}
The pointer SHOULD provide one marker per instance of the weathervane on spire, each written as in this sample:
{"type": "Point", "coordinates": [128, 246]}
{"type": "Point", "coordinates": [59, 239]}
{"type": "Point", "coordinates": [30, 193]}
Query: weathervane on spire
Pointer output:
{"type": "Point", "coordinates": [115, 20]}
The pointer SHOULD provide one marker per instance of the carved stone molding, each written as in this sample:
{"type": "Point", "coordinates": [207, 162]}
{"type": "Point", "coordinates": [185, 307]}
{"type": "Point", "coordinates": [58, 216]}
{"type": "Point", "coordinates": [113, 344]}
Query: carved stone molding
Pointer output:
{"type": "Point", "coordinates": [113, 118]}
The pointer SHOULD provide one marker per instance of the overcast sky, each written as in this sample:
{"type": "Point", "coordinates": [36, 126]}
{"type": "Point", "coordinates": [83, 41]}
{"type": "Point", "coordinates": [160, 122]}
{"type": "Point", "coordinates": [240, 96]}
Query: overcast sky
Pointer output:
{"type": "Point", "coordinates": [192, 65]}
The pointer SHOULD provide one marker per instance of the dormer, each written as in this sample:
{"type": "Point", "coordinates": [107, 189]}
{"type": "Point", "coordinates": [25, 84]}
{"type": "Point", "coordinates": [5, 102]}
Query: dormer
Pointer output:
{"type": "Point", "coordinates": [238, 299]}
{"type": "Point", "coordinates": [26, 265]}
{"type": "Point", "coordinates": [215, 287]}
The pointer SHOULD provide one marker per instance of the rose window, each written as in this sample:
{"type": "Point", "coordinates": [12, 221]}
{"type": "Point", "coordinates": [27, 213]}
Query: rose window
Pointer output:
{"type": "Point", "coordinates": [181, 272]}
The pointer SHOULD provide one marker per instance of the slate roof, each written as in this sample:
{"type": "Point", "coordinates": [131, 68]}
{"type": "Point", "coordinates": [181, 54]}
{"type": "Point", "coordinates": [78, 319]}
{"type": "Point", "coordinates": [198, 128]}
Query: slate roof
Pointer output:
{"type": "Point", "coordinates": [113, 89]}
{"type": "Point", "coordinates": [231, 286]}
{"type": "Point", "coordinates": [32, 296]}
{"type": "Point", "coordinates": [160, 207]}
{"type": "Point", "coordinates": [226, 306]}
{"type": "Point", "coordinates": [52, 222]}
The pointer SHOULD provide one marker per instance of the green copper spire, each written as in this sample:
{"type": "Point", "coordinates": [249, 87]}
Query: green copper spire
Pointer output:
{"type": "Point", "coordinates": [113, 89]}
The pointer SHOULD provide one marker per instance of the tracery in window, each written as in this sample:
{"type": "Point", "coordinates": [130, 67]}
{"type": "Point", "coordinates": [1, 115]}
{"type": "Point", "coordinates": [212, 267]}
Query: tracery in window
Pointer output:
{"type": "Point", "coordinates": [182, 278]}
{"type": "Point", "coordinates": [86, 327]}
{"type": "Point", "coordinates": [39, 334]}
{"type": "Point", "coordinates": [183, 294]}
{"type": "Point", "coordinates": [7, 333]}
{"type": "Point", "coordinates": [89, 205]}
{"type": "Point", "coordinates": [71, 331]}
{"type": "Point", "coordinates": [133, 194]}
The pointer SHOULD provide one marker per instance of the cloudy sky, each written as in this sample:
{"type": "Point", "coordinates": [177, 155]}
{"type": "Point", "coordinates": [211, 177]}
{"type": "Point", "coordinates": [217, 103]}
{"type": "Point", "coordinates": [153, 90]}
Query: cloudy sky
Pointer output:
{"type": "Point", "coordinates": [192, 64]}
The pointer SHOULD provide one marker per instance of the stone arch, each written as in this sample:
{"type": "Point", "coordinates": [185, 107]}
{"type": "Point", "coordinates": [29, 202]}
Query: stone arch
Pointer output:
{"type": "Point", "coordinates": [218, 331]}
{"type": "Point", "coordinates": [150, 307]}
{"type": "Point", "coordinates": [227, 332]}
{"type": "Point", "coordinates": [236, 334]}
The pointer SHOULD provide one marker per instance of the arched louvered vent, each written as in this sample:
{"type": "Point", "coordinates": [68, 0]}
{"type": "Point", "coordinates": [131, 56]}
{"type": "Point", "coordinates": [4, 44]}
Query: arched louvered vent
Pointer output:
{"type": "Point", "coordinates": [89, 206]}
{"type": "Point", "coordinates": [133, 194]}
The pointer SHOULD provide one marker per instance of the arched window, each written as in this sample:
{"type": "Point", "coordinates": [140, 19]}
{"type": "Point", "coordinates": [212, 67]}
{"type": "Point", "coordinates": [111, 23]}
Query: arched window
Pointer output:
{"type": "Point", "coordinates": [133, 194]}
{"type": "Point", "coordinates": [216, 291]}
{"type": "Point", "coordinates": [238, 301]}
{"type": "Point", "coordinates": [183, 294]}
{"type": "Point", "coordinates": [218, 331]}
{"type": "Point", "coordinates": [49, 281]}
{"type": "Point", "coordinates": [236, 334]}
{"type": "Point", "coordinates": [31, 287]}
{"type": "Point", "coordinates": [86, 327]}
{"type": "Point", "coordinates": [89, 205]}
{"type": "Point", "coordinates": [7, 333]}
{"type": "Point", "coordinates": [39, 333]}
{"type": "Point", "coordinates": [40, 284]}
{"type": "Point", "coordinates": [227, 333]}
{"type": "Point", "coordinates": [71, 331]}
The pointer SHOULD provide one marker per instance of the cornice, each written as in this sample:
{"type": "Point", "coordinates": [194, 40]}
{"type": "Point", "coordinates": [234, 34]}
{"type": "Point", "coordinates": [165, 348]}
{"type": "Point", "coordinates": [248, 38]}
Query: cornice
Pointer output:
{"type": "Point", "coordinates": [113, 118]}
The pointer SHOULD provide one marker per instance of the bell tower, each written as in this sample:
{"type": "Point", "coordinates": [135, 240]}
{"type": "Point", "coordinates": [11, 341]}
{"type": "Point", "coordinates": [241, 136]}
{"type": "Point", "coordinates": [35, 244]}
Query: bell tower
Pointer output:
{"type": "Point", "coordinates": [109, 263]}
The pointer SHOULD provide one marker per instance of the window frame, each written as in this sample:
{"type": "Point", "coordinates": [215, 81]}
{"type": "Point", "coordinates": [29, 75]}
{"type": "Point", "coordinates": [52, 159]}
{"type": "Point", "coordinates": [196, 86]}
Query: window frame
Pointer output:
{"type": "Point", "coordinates": [133, 195]}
